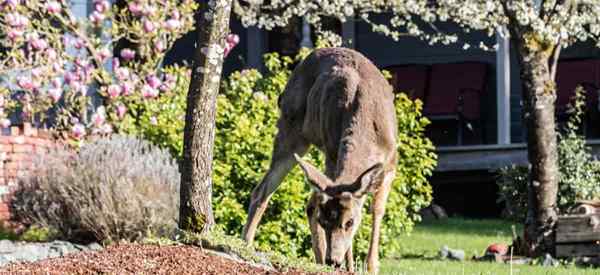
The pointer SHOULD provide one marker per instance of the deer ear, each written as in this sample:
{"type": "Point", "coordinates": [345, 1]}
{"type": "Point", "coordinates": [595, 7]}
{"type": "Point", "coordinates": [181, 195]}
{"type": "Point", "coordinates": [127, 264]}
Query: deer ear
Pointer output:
{"type": "Point", "coordinates": [368, 181]}
{"type": "Point", "coordinates": [314, 177]}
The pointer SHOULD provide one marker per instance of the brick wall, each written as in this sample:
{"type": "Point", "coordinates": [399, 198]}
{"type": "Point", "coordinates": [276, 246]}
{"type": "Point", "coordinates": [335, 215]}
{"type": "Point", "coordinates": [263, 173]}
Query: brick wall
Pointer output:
{"type": "Point", "coordinates": [18, 146]}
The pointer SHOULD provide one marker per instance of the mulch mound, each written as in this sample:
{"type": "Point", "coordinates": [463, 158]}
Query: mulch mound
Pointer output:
{"type": "Point", "coordinates": [140, 259]}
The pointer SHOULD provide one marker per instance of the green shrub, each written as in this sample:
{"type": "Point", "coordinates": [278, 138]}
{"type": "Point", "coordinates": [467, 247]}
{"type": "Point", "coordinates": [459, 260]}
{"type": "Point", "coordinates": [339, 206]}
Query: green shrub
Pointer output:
{"type": "Point", "coordinates": [113, 188]}
{"type": "Point", "coordinates": [246, 124]}
{"type": "Point", "coordinates": [579, 172]}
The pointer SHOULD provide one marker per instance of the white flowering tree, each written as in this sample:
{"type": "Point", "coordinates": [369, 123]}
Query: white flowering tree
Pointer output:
{"type": "Point", "coordinates": [538, 28]}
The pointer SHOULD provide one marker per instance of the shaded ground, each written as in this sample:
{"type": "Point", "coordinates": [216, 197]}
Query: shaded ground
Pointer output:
{"type": "Point", "coordinates": [140, 259]}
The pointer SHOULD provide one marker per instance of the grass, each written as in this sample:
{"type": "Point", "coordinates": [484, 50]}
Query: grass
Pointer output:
{"type": "Point", "coordinates": [418, 255]}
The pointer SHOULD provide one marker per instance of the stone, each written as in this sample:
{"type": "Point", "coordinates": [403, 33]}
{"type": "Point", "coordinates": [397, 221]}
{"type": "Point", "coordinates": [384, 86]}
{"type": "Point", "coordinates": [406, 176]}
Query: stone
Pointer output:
{"type": "Point", "coordinates": [6, 246]}
{"type": "Point", "coordinates": [550, 261]}
{"type": "Point", "coordinates": [452, 254]}
{"type": "Point", "coordinates": [22, 251]}
{"type": "Point", "coordinates": [94, 246]}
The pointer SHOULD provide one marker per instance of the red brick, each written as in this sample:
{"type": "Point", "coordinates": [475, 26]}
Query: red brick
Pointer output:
{"type": "Point", "coordinates": [16, 139]}
{"type": "Point", "coordinates": [39, 142]}
{"type": "Point", "coordinates": [10, 174]}
{"type": "Point", "coordinates": [20, 157]}
{"type": "Point", "coordinates": [22, 148]}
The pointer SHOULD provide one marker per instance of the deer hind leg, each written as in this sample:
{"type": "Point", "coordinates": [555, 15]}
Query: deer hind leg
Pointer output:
{"type": "Point", "coordinates": [378, 210]}
{"type": "Point", "coordinates": [287, 143]}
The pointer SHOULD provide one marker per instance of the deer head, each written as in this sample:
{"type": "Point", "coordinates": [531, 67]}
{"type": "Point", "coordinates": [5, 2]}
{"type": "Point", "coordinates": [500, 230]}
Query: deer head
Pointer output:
{"type": "Point", "coordinates": [335, 210]}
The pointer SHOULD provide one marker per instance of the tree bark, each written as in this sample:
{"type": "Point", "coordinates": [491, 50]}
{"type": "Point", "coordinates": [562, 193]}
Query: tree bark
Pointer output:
{"type": "Point", "coordinates": [212, 26]}
{"type": "Point", "coordinates": [539, 95]}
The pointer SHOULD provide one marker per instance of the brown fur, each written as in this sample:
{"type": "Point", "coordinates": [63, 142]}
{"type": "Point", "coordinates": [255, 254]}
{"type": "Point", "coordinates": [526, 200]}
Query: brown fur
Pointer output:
{"type": "Point", "coordinates": [337, 100]}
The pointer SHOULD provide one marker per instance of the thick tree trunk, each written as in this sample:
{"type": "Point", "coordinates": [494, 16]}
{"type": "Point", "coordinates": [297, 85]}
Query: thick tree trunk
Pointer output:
{"type": "Point", "coordinates": [539, 95]}
{"type": "Point", "coordinates": [212, 26]}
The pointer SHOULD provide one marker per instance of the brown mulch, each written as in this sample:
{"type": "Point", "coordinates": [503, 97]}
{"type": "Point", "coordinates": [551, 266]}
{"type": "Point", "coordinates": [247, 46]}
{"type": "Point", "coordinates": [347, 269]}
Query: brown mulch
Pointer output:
{"type": "Point", "coordinates": [140, 259]}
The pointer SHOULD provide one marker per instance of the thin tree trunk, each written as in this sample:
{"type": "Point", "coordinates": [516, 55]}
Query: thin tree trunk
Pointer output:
{"type": "Point", "coordinates": [212, 26]}
{"type": "Point", "coordinates": [539, 95]}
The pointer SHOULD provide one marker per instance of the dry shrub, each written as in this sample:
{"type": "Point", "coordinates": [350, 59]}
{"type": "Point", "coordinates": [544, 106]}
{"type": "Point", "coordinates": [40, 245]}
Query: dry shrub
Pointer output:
{"type": "Point", "coordinates": [112, 189]}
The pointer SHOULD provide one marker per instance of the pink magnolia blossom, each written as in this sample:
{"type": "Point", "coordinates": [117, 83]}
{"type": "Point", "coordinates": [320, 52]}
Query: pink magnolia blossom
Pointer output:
{"type": "Point", "coordinates": [13, 34]}
{"type": "Point", "coordinates": [11, 3]}
{"type": "Point", "coordinates": [56, 83]}
{"type": "Point", "coordinates": [149, 92]}
{"type": "Point", "coordinates": [114, 90]}
{"type": "Point", "coordinates": [159, 46]}
{"type": "Point", "coordinates": [16, 20]}
{"type": "Point", "coordinates": [135, 8]}
{"type": "Point", "coordinates": [121, 110]}
{"type": "Point", "coordinates": [126, 88]}
{"type": "Point", "coordinates": [36, 72]}
{"type": "Point", "coordinates": [122, 73]}
{"type": "Point", "coordinates": [115, 63]}
{"type": "Point", "coordinates": [153, 120]}
{"type": "Point", "coordinates": [153, 81]}
{"type": "Point", "coordinates": [71, 77]}
{"type": "Point", "coordinates": [25, 83]}
{"type": "Point", "coordinates": [55, 94]}
{"type": "Point", "coordinates": [172, 24]}
{"type": "Point", "coordinates": [176, 14]}
{"type": "Point", "coordinates": [233, 39]}
{"type": "Point", "coordinates": [127, 54]}
{"type": "Point", "coordinates": [53, 7]}
{"type": "Point", "coordinates": [104, 53]}
{"type": "Point", "coordinates": [5, 123]}
{"type": "Point", "coordinates": [99, 117]}
{"type": "Point", "coordinates": [101, 6]}
{"type": "Point", "coordinates": [79, 44]}
{"type": "Point", "coordinates": [149, 26]}
{"type": "Point", "coordinates": [97, 17]}
{"type": "Point", "coordinates": [38, 44]}
{"type": "Point", "coordinates": [78, 131]}
{"type": "Point", "coordinates": [51, 54]}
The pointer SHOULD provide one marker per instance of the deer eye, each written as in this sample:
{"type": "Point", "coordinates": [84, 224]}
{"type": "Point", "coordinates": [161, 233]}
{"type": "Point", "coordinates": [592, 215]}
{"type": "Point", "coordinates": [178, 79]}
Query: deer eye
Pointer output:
{"type": "Point", "coordinates": [349, 224]}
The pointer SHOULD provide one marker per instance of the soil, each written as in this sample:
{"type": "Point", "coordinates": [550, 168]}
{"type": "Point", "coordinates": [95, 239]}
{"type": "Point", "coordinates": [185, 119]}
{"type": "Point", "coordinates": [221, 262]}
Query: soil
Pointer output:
{"type": "Point", "coordinates": [142, 259]}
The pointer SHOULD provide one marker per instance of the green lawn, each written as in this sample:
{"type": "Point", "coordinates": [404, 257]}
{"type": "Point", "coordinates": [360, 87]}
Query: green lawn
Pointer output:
{"type": "Point", "coordinates": [472, 236]}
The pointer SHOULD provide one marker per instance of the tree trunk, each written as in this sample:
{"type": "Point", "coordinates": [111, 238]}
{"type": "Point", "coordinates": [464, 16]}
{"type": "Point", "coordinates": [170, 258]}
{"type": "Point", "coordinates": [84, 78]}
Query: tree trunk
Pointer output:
{"type": "Point", "coordinates": [539, 95]}
{"type": "Point", "coordinates": [212, 26]}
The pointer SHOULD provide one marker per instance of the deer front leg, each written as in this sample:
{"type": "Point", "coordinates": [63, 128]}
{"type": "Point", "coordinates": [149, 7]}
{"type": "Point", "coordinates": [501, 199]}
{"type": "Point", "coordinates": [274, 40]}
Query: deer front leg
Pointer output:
{"type": "Point", "coordinates": [378, 210]}
{"type": "Point", "coordinates": [349, 260]}
{"type": "Point", "coordinates": [286, 145]}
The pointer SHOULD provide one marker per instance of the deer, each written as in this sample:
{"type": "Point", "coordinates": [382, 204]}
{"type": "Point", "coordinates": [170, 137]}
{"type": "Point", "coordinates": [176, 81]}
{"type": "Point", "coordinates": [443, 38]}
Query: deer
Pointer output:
{"type": "Point", "coordinates": [339, 101]}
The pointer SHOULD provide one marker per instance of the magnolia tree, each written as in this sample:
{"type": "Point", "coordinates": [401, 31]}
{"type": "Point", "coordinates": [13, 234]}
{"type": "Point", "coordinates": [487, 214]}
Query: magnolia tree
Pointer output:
{"type": "Point", "coordinates": [539, 29]}
{"type": "Point", "coordinates": [53, 62]}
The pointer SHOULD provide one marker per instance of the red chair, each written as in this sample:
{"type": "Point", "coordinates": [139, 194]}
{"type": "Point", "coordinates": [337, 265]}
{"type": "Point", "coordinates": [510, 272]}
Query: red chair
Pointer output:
{"type": "Point", "coordinates": [571, 74]}
{"type": "Point", "coordinates": [455, 92]}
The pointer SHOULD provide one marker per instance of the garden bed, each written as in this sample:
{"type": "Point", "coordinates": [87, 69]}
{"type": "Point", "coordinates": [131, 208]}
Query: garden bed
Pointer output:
{"type": "Point", "coordinates": [143, 259]}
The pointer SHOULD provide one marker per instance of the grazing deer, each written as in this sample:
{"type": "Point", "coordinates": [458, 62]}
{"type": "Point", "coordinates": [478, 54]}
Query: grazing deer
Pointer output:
{"type": "Point", "coordinates": [337, 100]}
